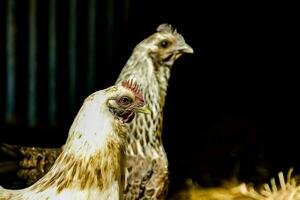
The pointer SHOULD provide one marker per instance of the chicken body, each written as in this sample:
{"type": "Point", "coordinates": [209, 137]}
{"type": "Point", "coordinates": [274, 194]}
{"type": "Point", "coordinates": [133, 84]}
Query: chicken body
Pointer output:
{"type": "Point", "coordinates": [91, 165]}
{"type": "Point", "coordinates": [146, 165]}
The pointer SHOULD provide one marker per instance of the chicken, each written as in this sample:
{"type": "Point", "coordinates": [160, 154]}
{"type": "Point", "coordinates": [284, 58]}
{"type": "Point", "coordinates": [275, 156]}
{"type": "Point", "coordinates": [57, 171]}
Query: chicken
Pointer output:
{"type": "Point", "coordinates": [150, 64]}
{"type": "Point", "coordinates": [91, 164]}
{"type": "Point", "coordinates": [146, 165]}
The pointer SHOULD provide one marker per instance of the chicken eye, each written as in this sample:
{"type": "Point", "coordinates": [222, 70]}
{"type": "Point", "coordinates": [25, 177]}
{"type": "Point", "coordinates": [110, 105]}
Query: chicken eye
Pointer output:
{"type": "Point", "coordinates": [125, 101]}
{"type": "Point", "coordinates": [164, 44]}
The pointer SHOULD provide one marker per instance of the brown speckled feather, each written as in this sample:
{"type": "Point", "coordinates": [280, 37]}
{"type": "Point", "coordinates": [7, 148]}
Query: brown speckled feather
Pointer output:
{"type": "Point", "coordinates": [35, 161]}
{"type": "Point", "coordinates": [147, 180]}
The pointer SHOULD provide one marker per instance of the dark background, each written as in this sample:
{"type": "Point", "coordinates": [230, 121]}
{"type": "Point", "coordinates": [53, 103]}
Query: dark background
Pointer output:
{"type": "Point", "coordinates": [232, 107]}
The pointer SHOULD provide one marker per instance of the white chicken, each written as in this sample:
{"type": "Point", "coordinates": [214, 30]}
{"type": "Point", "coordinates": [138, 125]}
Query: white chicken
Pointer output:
{"type": "Point", "coordinates": [91, 164]}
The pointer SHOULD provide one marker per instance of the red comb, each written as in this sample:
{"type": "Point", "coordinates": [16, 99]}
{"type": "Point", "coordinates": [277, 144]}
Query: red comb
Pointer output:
{"type": "Point", "coordinates": [134, 87]}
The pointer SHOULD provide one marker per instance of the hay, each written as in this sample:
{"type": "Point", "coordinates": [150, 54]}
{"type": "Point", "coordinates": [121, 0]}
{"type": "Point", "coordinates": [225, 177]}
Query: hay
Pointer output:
{"type": "Point", "coordinates": [288, 189]}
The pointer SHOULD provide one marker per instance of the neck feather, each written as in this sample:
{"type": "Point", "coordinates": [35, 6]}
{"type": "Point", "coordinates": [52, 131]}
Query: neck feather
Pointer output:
{"type": "Point", "coordinates": [146, 130]}
{"type": "Point", "coordinates": [153, 79]}
{"type": "Point", "coordinates": [92, 156]}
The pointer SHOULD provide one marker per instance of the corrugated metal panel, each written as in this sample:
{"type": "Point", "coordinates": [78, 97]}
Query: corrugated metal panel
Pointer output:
{"type": "Point", "coordinates": [51, 53]}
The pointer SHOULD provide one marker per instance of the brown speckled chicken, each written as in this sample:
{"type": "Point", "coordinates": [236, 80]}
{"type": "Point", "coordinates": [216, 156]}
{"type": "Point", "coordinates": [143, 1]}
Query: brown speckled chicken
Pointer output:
{"type": "Point", "coordinates": [147, 166]}
{"type": "Point", "coordinates": [91, 164]}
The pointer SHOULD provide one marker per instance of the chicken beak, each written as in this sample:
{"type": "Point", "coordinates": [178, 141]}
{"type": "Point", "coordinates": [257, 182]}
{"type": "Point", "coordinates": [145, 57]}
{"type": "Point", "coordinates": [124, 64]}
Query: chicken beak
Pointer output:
{"type": "Point", "coordinates": [144, 109]}
{"type": "Point", "coordinates": [185, 49]}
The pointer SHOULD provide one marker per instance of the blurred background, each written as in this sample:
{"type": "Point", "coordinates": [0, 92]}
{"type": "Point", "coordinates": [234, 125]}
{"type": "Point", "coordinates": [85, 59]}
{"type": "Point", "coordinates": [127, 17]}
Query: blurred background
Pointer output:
{"type": "Point", "coordinates": [232, 107]}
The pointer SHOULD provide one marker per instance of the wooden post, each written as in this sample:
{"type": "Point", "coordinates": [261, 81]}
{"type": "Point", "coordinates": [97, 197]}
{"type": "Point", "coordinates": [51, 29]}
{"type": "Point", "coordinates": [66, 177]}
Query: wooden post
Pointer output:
{"type": "Point", "coordinates": [52, 62]}
{"type": "Point", "coordinates": [72, 53]}
{"type": "Point", "coordinates": [11, 62]}
{"type": "Point", "coordinates": [32, 93]}
{"type": "Point", "coordinates": [91, 45]}
{"type": "Point", "coordinates": [110, 31]}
